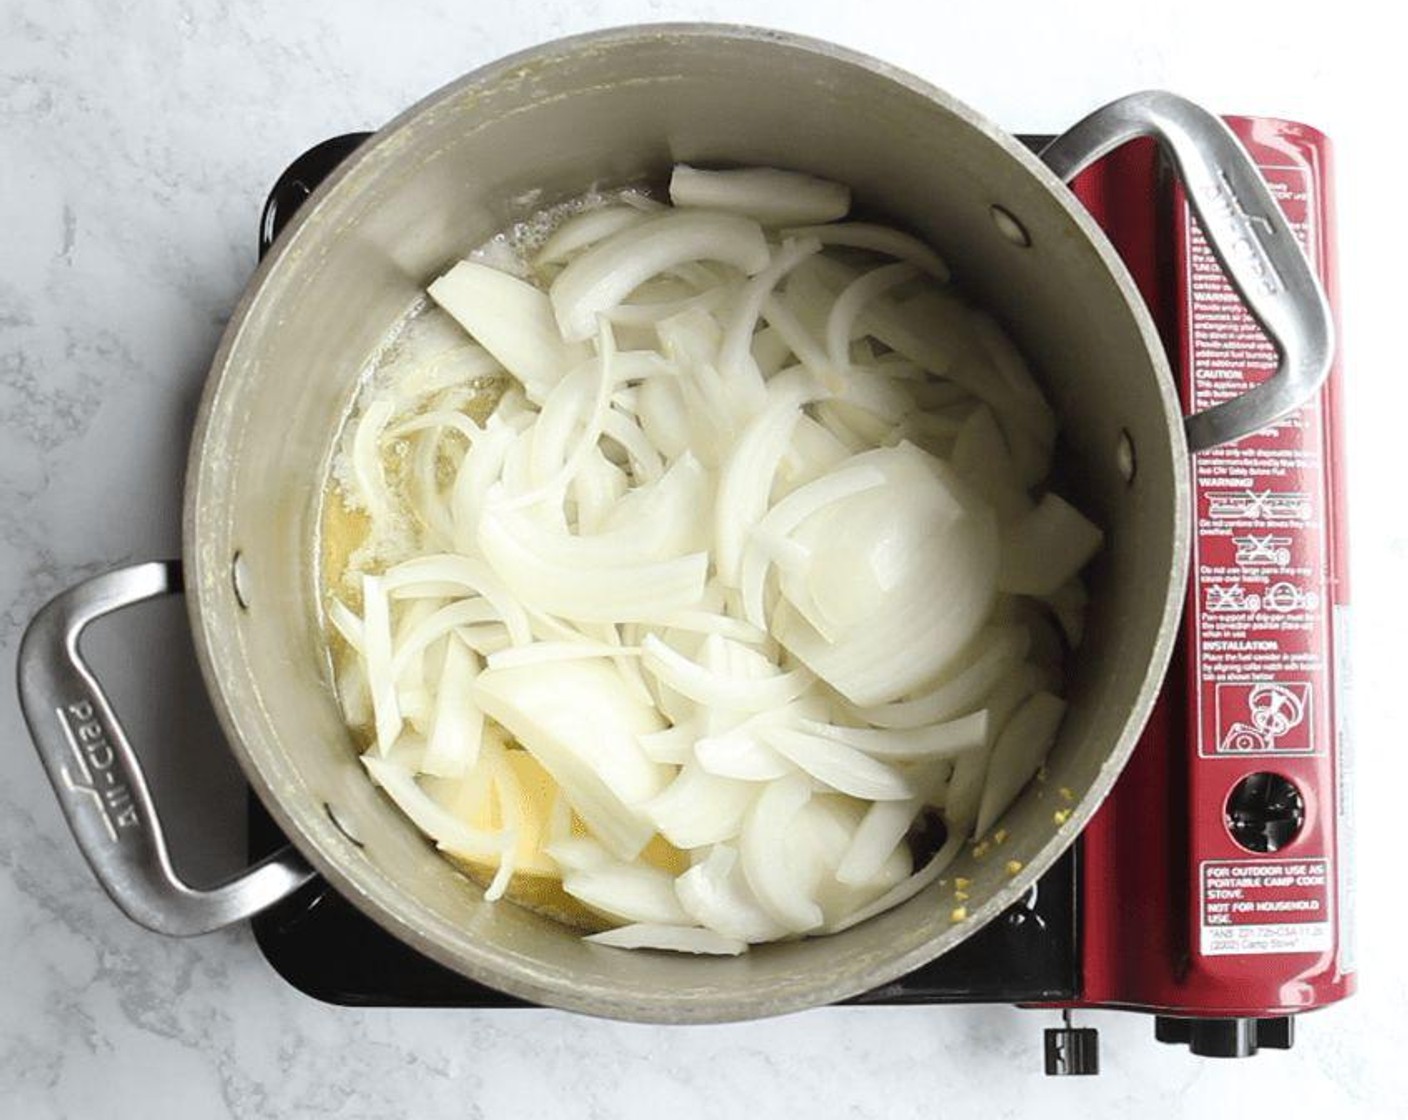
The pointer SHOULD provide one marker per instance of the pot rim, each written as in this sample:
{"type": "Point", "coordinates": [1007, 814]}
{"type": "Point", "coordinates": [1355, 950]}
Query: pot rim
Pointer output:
{"type": "Point", "coordinates": [211, 571]}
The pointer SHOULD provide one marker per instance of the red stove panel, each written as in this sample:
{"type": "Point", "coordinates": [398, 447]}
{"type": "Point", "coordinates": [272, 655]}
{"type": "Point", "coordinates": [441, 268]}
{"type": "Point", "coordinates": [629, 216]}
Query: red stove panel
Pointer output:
{"type": "Point", "coordinates": [1216, 878]}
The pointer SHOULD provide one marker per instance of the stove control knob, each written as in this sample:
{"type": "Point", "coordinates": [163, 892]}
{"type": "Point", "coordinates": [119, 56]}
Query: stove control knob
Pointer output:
{"type": "Point", "coordinates": [1226, 1038]}
{"type": "Point", "coordinates": [1265, 812]}
{"type": "Point", "coordinates": [1072, 1051]}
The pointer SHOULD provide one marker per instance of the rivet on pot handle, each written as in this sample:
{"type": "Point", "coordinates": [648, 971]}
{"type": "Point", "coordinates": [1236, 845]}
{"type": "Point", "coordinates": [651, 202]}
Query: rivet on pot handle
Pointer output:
{"type": "Point", "coordinates": [1249, 235]}
{"type": "Point", "coordinates": [99, 780]}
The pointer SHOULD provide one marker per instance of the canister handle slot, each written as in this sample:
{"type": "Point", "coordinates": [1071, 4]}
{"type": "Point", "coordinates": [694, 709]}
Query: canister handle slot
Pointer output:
{"type": "Point", "coordinates": [1248, 234]}
{"type": "Point", "coordinates": [101, 787]}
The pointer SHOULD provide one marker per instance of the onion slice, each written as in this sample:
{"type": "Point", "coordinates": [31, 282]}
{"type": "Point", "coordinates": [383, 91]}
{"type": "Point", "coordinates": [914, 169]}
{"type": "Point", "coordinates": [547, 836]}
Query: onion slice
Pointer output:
{"type": "Point", "coordinates": [1017, 755]}
{"type": "Point", "coordinates": [699, 808]}
{"type": "Point", "coordinates": [381, 680]}
{"type": "Point", "coordinates": [468, 573]}
{"type": "Point", "coordinates": [673, 939]}
{"type": "Point", "coordinates": [799, 505]}
{"type": "Point", "coordinates": [715, 690]}
{"type": "Point", "coordinates": [881, 831]}
{"type": "Point", "coordinates": [581, 721]}
{"type": "Point", "coordinates": [715, 893]}
{"type": "Point", "coordinates": [742, 754]}
{"type": "Point", "coordinates": [878, 239]}
{"type": "Point", "coordinates": [838, 766]}
{"type": "Point", "coordinates": [1046, 548]}
{"type": "Point", "coordinates": [513, 321]}
{"type": "Point", "coordinates": [765, 849]}
{"type": "Point", "coordinates": [934, 741]}
{"type": "Point", "coordinates": [367, 471]}
{"type": "Point", "coordinates": [904, 891]}
{"type": "Point", "coordinates": [610, 270]}
{"type": "Point", "coordinates": [852, 301]}
{"type": "Point", "coordinates": [618, 592]}
{"type": "Point", "coordinates": [994, 653]}
{"type": "Point", "coordinates": [749, 304]}
{"type": "Point", "coordinates": [585, 229]}
{"type": "Point", "coordinates": [449, 832]}
{"type": "Point", "coordinates": [457, 729]}
{"type": "Point", "coordinates": [746, 480]}
{"type": "Point", "coordinates": [632, 892]}
{"type": "Point", "coordinates": [772, 196]}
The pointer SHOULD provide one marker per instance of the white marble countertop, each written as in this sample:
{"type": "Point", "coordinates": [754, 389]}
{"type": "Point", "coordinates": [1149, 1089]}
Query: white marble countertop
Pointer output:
{"type": "Point", "coordinates": [136, 145]}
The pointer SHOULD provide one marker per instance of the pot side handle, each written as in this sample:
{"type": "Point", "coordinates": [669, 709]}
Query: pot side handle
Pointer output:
{"type": "Point", "coordinates": [99, 780]}
{"type": "Point", "coordinates": [1248, 234]}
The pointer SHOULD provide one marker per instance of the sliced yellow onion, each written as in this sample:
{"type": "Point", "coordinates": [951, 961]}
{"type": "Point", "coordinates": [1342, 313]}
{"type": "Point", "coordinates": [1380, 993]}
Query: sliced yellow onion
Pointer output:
{"type": "Point", "coordinates": [877, 239]}
{"type": "Point", "coordinates": [457, 729]}
{"type": "Point", "coordinates": [1046, 548]}
{"type": "Point", "coordinates": [604, 593]}
{"type": "Point", "coordinates": [513, 321]}
{"type": "Point", "coordinates": [586, 228]}
{"type": "Point", "coordinates": [673, 939]}
{"type": "Point", "coordinates": [935, 740]}
{"type": "Point", "coordinates": [1018, 753]}
{"type": "Point", "coordinates": [610, 270]}
{"type": "Point", "coordinates": [772, 196]}
{"type": "Point", "coordinates": [881, 831]}
{"type": "Point", "coordinates": [447, 830]}
{"type": "Point", "coordinates": [838, 766]}
{"type": "Point", "coordinates": [752, 560]}
{"type": "Point", "coordinates": [907, 889]}
{"type": "Point", "coordinates": [715, 690]}
{"type": "Point", "coordinates": [765, 850]}
{"type": "Point", "coordinates": [715, 893]}
{"type": "Point", "coordinates": [743, 754]}
{"type": "Point", "coordinates": [581, 721]}
{"type": "Point", "coordinates": [381, 681]}
{"type": "Point", "coordinates": [699, 808]}
{"type": "Point", "coordinates": [993, 653]}
{"type": "Point", "coordinates": [628, 892]}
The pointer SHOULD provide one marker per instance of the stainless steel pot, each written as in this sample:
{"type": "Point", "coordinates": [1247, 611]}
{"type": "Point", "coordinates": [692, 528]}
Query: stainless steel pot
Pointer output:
{"type": "Point", "coordinates": [492, 147]}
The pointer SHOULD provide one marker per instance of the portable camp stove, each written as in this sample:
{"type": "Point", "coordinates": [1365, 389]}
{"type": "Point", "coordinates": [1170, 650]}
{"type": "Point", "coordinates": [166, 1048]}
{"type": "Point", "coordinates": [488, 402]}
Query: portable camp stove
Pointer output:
{"type": "Point", "coordinates": [1214, 889]}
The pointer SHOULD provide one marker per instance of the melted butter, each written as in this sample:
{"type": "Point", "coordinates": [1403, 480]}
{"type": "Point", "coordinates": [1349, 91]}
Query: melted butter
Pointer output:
{"type": "Point", "coordinates": [341, 532]}
{"type": "Point", "coordinates": [544, 894]}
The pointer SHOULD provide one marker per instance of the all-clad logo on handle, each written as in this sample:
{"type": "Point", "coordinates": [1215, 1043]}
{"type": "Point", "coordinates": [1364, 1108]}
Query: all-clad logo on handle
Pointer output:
{"type": "Point", "coordinates": [94, 775]}
{"type": "Point", "coordinates": [1244, 249]}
